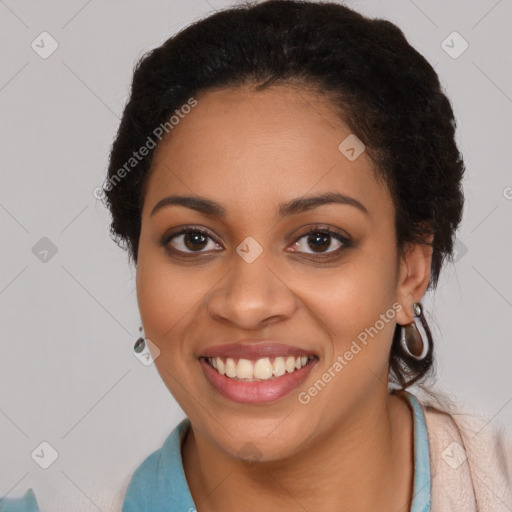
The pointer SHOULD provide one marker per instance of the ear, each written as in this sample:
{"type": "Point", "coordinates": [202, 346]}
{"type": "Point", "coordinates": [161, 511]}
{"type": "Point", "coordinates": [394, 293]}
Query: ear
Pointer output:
{"type": "Point", "coordinates": [413, 278]}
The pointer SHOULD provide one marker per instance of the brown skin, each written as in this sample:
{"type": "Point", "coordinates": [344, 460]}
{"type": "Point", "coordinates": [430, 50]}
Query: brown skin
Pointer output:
{"type": "Point", "coordinates": [351, 447]}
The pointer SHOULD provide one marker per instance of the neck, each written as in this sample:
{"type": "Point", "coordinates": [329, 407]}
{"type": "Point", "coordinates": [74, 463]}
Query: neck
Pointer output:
{"type": "Point", "coordinates": [364, 465]}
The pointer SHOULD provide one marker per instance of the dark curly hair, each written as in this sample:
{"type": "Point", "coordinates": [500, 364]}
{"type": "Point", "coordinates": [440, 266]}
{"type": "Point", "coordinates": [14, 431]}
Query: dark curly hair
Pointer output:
{"type": "Point", "coordinates": [384, 90]}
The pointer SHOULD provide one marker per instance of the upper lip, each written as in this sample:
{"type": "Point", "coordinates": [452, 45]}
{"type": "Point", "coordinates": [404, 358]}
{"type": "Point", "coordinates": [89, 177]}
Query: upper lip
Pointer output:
{"type": "Point", "coordinates": [255, 350]}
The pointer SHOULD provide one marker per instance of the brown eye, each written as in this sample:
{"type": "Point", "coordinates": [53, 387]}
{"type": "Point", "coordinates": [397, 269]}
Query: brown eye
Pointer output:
{"type": "Point", "coordinates": [194, 241]}
{"type": "Point", "coordinates": [319, 241]}
{"type": "Point", "coordinates": [190, 241]}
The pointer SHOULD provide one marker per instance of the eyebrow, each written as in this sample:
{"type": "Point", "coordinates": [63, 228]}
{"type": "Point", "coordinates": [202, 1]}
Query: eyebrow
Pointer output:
{"type": "Point", "coordinates": [293, 207]}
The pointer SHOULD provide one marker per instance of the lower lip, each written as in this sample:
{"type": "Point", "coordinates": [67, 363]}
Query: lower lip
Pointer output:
{"type": "Point", "coordinates": [257, 392]}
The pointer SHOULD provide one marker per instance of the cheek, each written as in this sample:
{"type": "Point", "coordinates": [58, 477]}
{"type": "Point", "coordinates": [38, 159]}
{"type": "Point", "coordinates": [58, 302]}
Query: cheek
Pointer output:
{"type": "Point", "coordinates": [352, 302]}
{"type": "Point", "coordinates": [167, 297]}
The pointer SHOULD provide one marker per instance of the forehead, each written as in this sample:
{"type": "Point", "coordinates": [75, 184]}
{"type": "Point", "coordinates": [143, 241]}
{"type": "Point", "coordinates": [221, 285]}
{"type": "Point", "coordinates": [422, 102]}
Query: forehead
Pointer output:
{"type": "Point", "coordinates": [244, 147]}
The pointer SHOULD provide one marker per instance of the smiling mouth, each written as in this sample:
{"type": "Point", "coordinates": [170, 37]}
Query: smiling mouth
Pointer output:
{"type": "Point", "coordinates": [267, 368]}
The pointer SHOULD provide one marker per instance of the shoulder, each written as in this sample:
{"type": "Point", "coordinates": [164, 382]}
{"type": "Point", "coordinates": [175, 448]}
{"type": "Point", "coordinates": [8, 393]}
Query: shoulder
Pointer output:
{"type": "Point", "coordinates": [470, 456]}
{"type": "Point", "coordinates": [157, 481]}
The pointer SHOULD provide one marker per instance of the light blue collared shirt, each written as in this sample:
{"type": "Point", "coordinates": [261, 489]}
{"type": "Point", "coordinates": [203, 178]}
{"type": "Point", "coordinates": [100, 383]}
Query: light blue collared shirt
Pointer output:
{"type": "Point", "coordinates": [159, 482]}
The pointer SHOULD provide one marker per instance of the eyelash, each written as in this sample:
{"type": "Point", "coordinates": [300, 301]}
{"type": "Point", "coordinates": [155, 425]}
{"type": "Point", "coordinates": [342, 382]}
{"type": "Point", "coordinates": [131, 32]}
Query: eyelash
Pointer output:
{"type": "Point", "coordinates": [325, 230]}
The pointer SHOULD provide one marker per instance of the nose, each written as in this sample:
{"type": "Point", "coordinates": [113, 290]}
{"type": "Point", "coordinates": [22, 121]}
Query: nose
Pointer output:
{"type": "Point", "coordinates": [252, 295]}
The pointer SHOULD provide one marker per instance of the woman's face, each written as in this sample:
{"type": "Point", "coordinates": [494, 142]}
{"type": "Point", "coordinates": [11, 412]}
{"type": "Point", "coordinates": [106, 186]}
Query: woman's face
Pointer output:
{"type": "Point", "coordinates": [265, 273]}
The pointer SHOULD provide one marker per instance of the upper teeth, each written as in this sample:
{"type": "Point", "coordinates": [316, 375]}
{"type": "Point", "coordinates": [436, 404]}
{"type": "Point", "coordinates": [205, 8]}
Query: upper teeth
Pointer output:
{"type": "Point", "coordinates": [260, 369]}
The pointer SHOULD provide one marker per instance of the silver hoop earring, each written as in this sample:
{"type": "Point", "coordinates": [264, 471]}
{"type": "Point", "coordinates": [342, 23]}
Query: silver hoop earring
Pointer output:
{"type": "Point", "coordinates": [410, 338]}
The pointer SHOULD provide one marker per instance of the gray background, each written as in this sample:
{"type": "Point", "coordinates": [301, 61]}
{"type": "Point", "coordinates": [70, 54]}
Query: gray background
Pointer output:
{"type": "Point", "coordinates": [67, 372]}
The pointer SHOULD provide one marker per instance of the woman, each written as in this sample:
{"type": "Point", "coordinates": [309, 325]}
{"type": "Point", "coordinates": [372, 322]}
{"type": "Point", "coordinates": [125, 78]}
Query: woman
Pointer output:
{"type": "Point", "coordinates": [301, 200]}
{"type": "Point", "coordinates": [286, 180]}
